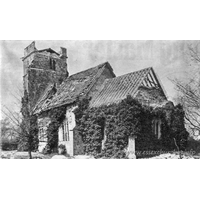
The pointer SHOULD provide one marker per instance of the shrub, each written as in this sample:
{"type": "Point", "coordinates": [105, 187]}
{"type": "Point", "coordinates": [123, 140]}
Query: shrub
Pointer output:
{"type": "Point", "coordinates": [7, 145]}
{"type": "Point", "coordinates": [62, 150]}
{"type": "Point", "coordinates": [193, 145]}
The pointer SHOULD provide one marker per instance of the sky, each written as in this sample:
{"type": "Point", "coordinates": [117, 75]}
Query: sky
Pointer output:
{"type": "Point", "coordinates": [168, 58]}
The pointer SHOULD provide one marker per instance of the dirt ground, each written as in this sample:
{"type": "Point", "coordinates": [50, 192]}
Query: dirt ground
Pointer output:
{"type": "Point", "coordinates": [22, 155]}
{"type": "Point", "coordinates": [176, 156]}
{"type": "Point", "coordinates": [36, 155]}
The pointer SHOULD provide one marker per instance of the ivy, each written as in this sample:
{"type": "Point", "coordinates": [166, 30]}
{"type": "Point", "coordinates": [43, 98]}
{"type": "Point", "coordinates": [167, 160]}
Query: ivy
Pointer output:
{"type": "Point", "coordinates": [178, 129]}
{"type": "Point", "coordinates": [57, 115]}
{"type": "Point", "coordinates": [117, 122]}
{"type": "Point", "coordinates": [28, 138]}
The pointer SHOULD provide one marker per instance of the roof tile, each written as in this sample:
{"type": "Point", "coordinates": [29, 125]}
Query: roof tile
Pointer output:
{"type": "Point", "coordinates": [116, 89]}
{"type": "Point", "coordinates": [74, 86]}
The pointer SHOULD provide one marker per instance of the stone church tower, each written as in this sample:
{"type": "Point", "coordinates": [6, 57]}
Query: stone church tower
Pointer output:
{"type": "Point", "coordinates": [41, 68]}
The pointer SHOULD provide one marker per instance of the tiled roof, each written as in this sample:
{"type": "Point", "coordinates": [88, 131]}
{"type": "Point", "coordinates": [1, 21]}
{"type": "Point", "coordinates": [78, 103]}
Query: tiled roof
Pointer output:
{"type": "Point", "coordinates": [74, 86]}
{"type": "Point", "coordinates": [45, 98]}
{"type": "Point", "coordinates": [116, 89]}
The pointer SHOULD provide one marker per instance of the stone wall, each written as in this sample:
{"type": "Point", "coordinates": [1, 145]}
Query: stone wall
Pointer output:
{"type": "Point", "coordinates": [29, 49]}
{"type": "Point", "coordinates": [38, 81]}
{"type": "Point", "coordinates": [42, 60]}
{"type": "Point", "coordinates": [74, 145]}
{"type": "Point", "coordinates": [150, 95]}
{"type": "Point", "coordinates": [38, 73]}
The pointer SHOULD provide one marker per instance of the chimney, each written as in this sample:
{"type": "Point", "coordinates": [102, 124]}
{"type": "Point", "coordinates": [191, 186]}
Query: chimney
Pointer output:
{"type": "Point", "coordinates": [29, 49]}
{"type": "Point", "coordinates": [63, 52]}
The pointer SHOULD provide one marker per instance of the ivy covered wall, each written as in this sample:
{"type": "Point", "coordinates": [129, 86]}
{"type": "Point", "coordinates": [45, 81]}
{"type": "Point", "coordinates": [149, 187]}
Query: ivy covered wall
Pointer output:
{"type": "Point", "coordinates": [56, 116]}
{"type": "Point", "coordinates": [117, 122]}
{"type": "Point", "coordinates": [104, 131]}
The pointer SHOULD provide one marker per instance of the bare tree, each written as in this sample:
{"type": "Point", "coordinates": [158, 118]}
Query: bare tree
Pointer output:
{"type": "Point", "coordinates": [9, 134]}
{"type": "Point", "coordinates": [22, 122]}
{"type": "Point", "coordinates": [12, 117]}
{"type": "Point", "coordinates": [189, 91]}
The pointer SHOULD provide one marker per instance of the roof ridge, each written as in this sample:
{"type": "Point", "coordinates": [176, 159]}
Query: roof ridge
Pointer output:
{"type": "Point", "coordinates": [148, 68]}
{"type": "Point", "coordinates": [98, 66]}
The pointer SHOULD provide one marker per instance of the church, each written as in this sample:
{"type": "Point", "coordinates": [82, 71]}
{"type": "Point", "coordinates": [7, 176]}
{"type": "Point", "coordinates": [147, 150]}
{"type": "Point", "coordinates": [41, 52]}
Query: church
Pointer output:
{"type": "Point", "coordinates": [48, 84]}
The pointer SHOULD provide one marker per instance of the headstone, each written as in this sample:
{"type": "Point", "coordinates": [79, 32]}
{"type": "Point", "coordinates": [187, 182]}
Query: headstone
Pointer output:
{"type": "Point", "coordinates": [131, 148]}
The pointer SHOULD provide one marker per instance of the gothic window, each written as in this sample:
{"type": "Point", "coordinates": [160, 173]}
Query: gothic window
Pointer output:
{"type": "Point", "coordinates": [65, 131]}
{"type": "Point", "coordinates": [157, 128]}
{"type": "Point", "coordinates": [104, 135]}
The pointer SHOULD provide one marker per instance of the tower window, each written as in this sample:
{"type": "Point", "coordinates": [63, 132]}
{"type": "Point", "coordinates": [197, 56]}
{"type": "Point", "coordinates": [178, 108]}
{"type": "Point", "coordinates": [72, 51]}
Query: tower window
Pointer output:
{"type": "Point", "coordinates": [52, 64]}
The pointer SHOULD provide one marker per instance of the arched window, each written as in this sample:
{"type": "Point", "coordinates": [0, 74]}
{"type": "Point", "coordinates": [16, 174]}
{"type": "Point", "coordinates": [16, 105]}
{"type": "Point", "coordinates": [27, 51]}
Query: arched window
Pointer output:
{"type": "Point", "coordinates": [65, 130]}
{"type": "Point", "coordinates": [104, 135]}
{"type": "Point", "coordinates": [157, 128]}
